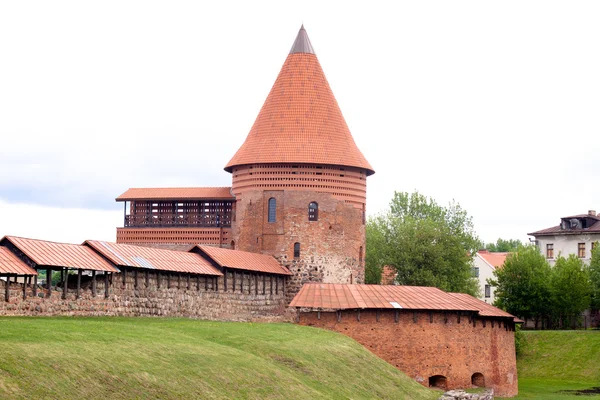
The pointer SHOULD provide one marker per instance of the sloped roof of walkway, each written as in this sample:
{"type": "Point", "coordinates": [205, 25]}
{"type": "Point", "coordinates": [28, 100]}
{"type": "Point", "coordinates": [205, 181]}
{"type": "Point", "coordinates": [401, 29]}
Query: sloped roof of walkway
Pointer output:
{"type": "Point", "coordinates": [11, 264]}
{"type": "Point", "coordinates": [128, 255]}
{"type": "Point", "coordinates": [60, 255]}
{"type": "Point", "coordinates": [243, 260]}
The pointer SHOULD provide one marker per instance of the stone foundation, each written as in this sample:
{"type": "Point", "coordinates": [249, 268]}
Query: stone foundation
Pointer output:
{"type": "Point", "coordinates": [239, 303]}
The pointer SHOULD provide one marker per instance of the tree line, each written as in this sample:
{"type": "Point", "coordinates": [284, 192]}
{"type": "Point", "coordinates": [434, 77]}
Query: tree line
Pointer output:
{"type": "Point", "coordinates": [428, 244]}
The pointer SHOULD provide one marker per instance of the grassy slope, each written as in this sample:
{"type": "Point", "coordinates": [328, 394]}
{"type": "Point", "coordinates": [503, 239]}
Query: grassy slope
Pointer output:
{"type": "Point", "coordinates": [121, 358]}
{"type": "Point", "coordinates": [559, 360]}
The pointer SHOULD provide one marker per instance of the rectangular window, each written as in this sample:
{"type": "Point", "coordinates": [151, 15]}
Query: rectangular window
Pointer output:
{"type": "Point", "coordinates": [550, 250]}
{"type": "Point", "coordinates": [475, 272]}
{"type": "Point", "coordinates": [581, 250]}
{"type": "Point", "coordinates": [488, 291]}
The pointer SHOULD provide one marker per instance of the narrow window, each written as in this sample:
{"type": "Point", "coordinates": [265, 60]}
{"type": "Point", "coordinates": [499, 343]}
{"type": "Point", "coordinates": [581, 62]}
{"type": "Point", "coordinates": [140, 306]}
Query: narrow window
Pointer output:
{"type": "Point", "coordinates": [550, 250]}
{"type": "Point", "coordinates": [272, 209]}
{"type": "Point", "coordinates": [581, 250]}
{"type": "Point", "coordinates": [232, 245]}
{"type": "Point", "coordinates": [313, 211]}
{"type": "Point", "coordinates": [360, 256]}
{"type": "Point", "coordinates": [488, 291]}
{"type": "Point", "coordinates": [296, 250]}
{"type": "Point", "coordinates": [475, 272]}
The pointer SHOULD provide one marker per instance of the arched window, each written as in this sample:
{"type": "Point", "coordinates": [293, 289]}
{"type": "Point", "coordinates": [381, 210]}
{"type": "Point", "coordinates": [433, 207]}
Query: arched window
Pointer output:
{"type": "Point", "coordinates": [232, 245]}
{"type": "Point", "coordinates": [296, 250]}
{"type": "Point", "coordinates": [313, 211]}
{"type": "Point", "coordinates": [272, 217]}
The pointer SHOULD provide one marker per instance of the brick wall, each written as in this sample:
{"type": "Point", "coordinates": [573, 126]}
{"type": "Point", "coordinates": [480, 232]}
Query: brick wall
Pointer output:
{"type": "Point", "coordinates": [239, 303]}
{"type": "Point", "coordinates": [331, 248]}
{"type": "Point", "coordinates": [422, 347]}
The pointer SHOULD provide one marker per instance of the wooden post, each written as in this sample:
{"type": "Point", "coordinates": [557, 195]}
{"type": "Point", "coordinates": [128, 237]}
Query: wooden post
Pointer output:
{"type": "Point", "coordinates": [216, 285]}
{"type": "Point", "coordinates": [94, 283]}
{"type": "Point", "coordinates": [135, 278]}
{"type": "Point", "coordinates": [179, 281]}
{"type": "Point", "coordinates": [271, 283]}
{"type": "Point", "coordinates": [256, 284]}
{"type": "Point", "coordinates": [7, 289]}
{"type": "Point", "coordinates": [283, 285]}
{"type": "Point", "coordinates": [78, 283]}
{"type": "Point", "coordinates": [224, 279]}
{"type": "Point", "coordinates": [158, 279]}
{"type": "Point", "coordinates": [276, 285]}
{"type": "Point", "coordinates": [105, 285]}
{"type": "Point", "coordinates": [34, 290]}
{"type": "Point", "coordinates": [25, 280]}
{"type": "Point", "coordinates": [169, 280]}
{"type": "Point", "coordinates": [234, 280]}
{"type": "Point", "coordinates": [197, 282]}
{"type": "Point", "coordinates": [147, 278]}
{"type": "Point", "coordinates": [65, 273]}
{"type": "Point", "coordinates": [206, 283]}
{"type": "Point", "coordinates": [264, 283]}
{"type": "Point", "coordinates": [188, 281]}
{"type": "Point", "coordinates": [49, 282]}
{"type": "Point", "coordinates": [124, 273]}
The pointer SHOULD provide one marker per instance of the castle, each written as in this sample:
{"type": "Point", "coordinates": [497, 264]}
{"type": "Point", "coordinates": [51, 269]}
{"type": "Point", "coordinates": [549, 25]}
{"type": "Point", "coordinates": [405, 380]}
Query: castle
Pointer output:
{"type": "Point", "coordinates": [291, 228]}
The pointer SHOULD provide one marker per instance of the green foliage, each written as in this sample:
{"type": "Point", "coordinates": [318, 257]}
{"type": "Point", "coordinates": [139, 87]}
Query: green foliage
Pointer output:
{"type": "Point", "coordinates": [520, 340]}
{"type": "Point", "coordinates": [570, 289]}
{"type": "Point", "coordinates": [594, 271]}
{"type": "Point", "coordinates": [505, 246]}
{"type": "Point", "coordinates": [428, 244]}
{"type": "Point", "coordinates": [522, 285]}
{"type": "Point", "coordinates": [167, 358]}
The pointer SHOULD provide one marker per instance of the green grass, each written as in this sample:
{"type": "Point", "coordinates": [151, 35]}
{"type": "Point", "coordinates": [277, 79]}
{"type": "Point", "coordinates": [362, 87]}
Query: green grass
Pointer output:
{"type": "Point", "coordinates": [144, 358]}
{"type": "Point", "coordinates": [553, 361]}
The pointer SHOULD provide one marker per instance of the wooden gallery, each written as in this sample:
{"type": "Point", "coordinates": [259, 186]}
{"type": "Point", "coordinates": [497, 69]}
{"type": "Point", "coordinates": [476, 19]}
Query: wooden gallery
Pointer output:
{"type": "Point", "coordinates": [286, 241]}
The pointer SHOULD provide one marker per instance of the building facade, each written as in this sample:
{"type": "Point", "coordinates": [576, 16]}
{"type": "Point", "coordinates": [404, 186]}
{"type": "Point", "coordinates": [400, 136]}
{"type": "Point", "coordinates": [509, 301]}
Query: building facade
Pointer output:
{"type": "Point", "coordinates": [484, 265]}
{"type": "Point", "coordinates": [576, 234]}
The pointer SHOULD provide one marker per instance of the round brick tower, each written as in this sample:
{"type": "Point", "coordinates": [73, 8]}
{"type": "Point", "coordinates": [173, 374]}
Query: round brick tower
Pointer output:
{"type": "Point", "coordinates": [300, 180]}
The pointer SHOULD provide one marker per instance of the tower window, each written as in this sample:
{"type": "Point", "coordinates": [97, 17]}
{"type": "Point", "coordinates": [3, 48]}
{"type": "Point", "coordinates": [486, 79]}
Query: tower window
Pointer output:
{"type": "Point", "coordinates": [313, 211]}
{"type": "Point", "coordinates": [296, 250]}
{"type": "Point", "coordinates": [272, 217]}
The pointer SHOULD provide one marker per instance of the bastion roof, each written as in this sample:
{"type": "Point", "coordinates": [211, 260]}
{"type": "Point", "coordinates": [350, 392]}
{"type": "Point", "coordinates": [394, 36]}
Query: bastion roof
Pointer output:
{"type": "Point", "coordinates": [244, 260]}
{"type": "Point", "coordinates": [349, 296]}
{"type": "Point", "coordinates": [300, 121]}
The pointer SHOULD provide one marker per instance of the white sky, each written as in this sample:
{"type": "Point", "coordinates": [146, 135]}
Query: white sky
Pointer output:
{"type": "Point", "coordinates": [493, 104]}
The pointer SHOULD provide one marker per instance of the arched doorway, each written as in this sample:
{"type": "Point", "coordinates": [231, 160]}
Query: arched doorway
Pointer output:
{"type": "Point", "coordinates": [477, 379]}
{"type": "Point", "coordinates": [438, 382]}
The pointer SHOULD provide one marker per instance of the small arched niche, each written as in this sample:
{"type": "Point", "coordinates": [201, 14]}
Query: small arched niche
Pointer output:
{"type": "Point", "coordinates": [438, 382]}
{"type": "Point", "coordinates": [477, 379]}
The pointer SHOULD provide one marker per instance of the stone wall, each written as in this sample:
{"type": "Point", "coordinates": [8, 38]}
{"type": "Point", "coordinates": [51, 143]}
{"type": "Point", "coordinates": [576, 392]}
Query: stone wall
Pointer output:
{"type": "Point", "coordinates": [425, 345]}
{"type": "Point", "coordinates": [331, 248]}
{"type": "Point", "coordinates": [244, 302]}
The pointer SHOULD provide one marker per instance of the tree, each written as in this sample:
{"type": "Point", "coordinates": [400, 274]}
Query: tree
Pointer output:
{"type": "Point", "coordinates": [570, 289]}
{"type": "Point", "coordinates": [428, 244]}
{"type": "Point", "coordinates": [522, 284]}
{"type": "Point", "coordinates": [502, 245]}
{"type": "Point", "coordinates": [594, 271]}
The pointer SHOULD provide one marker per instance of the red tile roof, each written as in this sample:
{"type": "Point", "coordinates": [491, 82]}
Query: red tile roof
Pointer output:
{"type": "Point", "coordinates": [348, 296]}
{"type": "Point", "coordinates": [189, 193]}
{"type": "Point", "coordinates": [300, 122]}
{"type": "Point", "coordinates": [495, 259]}
{"type": "Point", "coordinates": [61, 255]}
{"type": "Point", "coordinates": [11, 264]}
{"type": "Point", "coordinates": [244, 260]}
{"type": "Point", "coordinates": [485, 309]}
{"type": "Point", "coordinates": [148, 257]}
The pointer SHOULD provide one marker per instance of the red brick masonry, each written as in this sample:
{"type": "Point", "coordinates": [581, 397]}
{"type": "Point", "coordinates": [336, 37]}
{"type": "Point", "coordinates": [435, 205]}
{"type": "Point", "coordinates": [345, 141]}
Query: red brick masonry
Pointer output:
{"type": "Point", "coordinates": [424, 345]}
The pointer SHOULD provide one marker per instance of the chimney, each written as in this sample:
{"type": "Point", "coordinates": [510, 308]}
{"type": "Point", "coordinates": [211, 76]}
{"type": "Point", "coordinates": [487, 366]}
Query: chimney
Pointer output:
{"type": "Point", "coordinates": [592, 213]}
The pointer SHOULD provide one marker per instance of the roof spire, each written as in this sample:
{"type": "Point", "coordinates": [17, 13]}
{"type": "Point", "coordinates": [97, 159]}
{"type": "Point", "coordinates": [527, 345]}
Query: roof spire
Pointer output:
{"type": "Point", "coordinates": [302, 43]}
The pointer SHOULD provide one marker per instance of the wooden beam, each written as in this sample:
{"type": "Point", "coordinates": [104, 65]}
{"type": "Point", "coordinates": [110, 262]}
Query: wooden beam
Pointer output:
{"type": "Point", "coordinates": [158, 279]}
{"type": "Point", "coordinates": [124, 274]}
{"type": "Point", "coordinates": [264, 283]}
{"type": "Point", "coordinates": [34, 290]}
{"type": "Point", "coordinates": [256, 284]}
{"type": "Point", "coordinates": [79, 272]}
{"type": "Point", "coordinates": [276, 285]}
{"type": "Point", "coordinates": [7, 289]}
{"type": "Point", "coordinates": [271, 283]}
{"type": "Point", "coordinates": [197, 282]}
{"type": "Point", "coordinates": [169, 280]}
{"type": "Point", "coordinates": [206, 283]}
{"type": "Point", "coordinates": [94, 283]}
{"type": "Point", "coordinates": [178, 280]}
{"type": "Point", "coordinates": [49, 282]}
{"type": "Point", "coordinates": [65, 274]}
{"type": "Point", "coordinates": [106, 285]}
{"type": "Point", "coordinates": [216, 283]}
{"type": "Point", "coordinates": [135, 278]}
{"type": "Point", "coordinates": [234, 280]}
{"type": "Point", "coordinates": [224, 279]}
{"type": "Point", "coordinates": [147, 278]}
{"type": "Point", "coordinates": [188, 281]}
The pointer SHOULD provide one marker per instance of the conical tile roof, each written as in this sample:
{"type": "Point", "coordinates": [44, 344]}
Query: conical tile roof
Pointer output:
{"type": "Point", "coordinates": [300, 122]}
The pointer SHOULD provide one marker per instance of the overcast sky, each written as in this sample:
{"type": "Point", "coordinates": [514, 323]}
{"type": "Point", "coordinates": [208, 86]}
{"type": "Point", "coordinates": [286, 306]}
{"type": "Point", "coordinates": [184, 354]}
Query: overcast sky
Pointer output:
{"type": "Point", "coordinates": [492, 104]}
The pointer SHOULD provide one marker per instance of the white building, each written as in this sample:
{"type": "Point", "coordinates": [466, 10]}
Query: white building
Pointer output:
{"type": "Point", "coordinates": [484, 264]}
{"type": "Point", "coordinates": [576, 234]}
